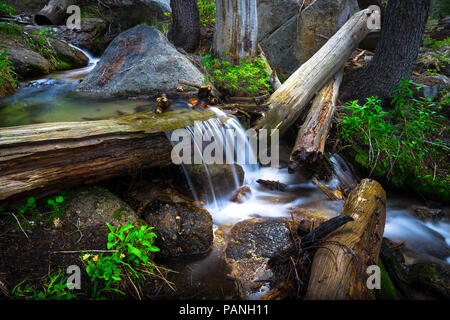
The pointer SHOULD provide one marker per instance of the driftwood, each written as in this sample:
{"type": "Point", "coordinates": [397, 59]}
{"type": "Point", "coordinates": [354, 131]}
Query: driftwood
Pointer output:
{"type": "Point", "coordinates": [203, 91]}
{"type": "Point", "coordinates": [272, 185]}
{"type": "Point", "coordinates": [339, 268]}
{"type": "Point", "coordinates": [313, 134]}
{"type": "Point", "coordinates": [53, 13]}
{"type": "Point", "coordinates": [50, 157]}
{"type": "Point", "coordinates": [336, 195]}
{"type": "Point", "coordinates": [288, 102]}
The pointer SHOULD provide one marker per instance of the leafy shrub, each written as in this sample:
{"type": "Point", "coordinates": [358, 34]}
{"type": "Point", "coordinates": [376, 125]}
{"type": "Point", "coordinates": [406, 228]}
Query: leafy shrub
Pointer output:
{"type": "Point", "coordinates": [207, 11]}
{"type": "Point", "coordinates": [249, 78]}
{"type": "Point", "coordinates": [404, 144]}
{"type": "Point", "coordinates": [10, 29]}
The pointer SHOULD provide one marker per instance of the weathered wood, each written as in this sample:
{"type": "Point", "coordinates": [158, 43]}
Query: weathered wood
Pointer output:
{"type": "Point", "coordinates": [274, 81]}
{"type": "Point", "coordinates": [339, 268]}
{"type": "Point", "coordinates": [53, 13]}
{"type": "Point", "coordinates": [50, 157]}
{"type": "Point", "coordinates": [236, 29]}
{"type": "Point", "coordinates": [288, 102]}
{"type": "Point", "coordinates": [313, 134]}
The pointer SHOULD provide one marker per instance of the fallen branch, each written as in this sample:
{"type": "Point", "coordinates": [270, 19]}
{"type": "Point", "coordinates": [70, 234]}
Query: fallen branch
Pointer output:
{"type": "Point", "coordinates": [289, 101]}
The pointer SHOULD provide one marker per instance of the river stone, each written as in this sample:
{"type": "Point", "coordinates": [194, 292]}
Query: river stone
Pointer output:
{"type": "Point", "coordinates": [221, 176]}
{"type": "Point", "coordinates": [252, 243]}
{"type": "Point", "coordinates": [140, 60]}
{"type": "Point", "coordinates": [289, 39]}
{"type": "Point", "coordinates": [182, 228]}
{"type": "Point", "coordinates": [25, 60]}
{"type": "Point", "coordinates": [93, 206]}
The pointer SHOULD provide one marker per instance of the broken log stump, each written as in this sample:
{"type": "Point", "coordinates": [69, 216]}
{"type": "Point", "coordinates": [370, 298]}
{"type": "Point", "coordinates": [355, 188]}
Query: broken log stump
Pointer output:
{"type": "Point", "coordinates": [53, 13]}
{"type": "Point", "coordinates": [309, 146]}
{"type": "Point", "coordinates": [339, 268]}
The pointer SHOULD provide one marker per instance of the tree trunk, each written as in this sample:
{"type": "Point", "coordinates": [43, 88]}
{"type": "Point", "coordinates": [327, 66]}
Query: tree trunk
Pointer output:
{"type": "Point", "coordinates": [41, 159]}
{"type": "Point", "coordinates": [401, 37]}
{"type": "Point", "coordinates": [236, 29]}
{"type": "Point", "coordinates": [339, 268]}
{"type": "Point", "coordinates": [287, 103]}
{"type": "Point", "coordinates": [185, 29]}
{"type": "Point", "coordinates": [313, 134]}
{"type": "Point", "coordinates": [53, 13]}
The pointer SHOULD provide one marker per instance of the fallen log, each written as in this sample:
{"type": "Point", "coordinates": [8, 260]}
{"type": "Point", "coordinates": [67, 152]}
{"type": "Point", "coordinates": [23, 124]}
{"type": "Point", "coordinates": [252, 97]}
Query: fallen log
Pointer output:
{"type": "Point", "coordinates": [312, 136]}
{"type": "Point", "coordinates": [50, 157]}
{"type": "Point", "coordinates": [288, 102]}
{"type": "Point", "coordinates": [339, 267]}
{"type": "Point", "coordinates": [53, 13]}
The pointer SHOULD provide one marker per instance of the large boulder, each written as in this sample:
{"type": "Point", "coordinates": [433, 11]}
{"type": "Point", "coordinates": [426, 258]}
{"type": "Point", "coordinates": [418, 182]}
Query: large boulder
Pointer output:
{"type": "Point", "coordinates": [182, 228]}
{"type": "Point", "coordinates": [140, 60]}
{"type": "Point", "coordinates": [289, 39]}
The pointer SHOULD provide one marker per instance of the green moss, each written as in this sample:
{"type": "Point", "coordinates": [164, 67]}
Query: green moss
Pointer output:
{"type": "Point", "coordinates": [424, 272]}
{"type": "Point", "coordinates": [387, 291]}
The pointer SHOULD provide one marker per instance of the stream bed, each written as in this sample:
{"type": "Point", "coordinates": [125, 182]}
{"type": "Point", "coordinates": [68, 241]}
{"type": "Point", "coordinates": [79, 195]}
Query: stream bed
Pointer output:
{"type": "Point", "coordinates": [51, 99]}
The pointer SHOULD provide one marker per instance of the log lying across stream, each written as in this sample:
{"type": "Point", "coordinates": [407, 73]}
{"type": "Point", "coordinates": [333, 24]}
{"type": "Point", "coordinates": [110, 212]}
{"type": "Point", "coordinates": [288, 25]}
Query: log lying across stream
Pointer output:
{"type": "Point", "coordinates": [288, 102]}
{"type": "Point", "coordinates": [41, 159]}
{"type": "Point", "coordinates": [339, 268]}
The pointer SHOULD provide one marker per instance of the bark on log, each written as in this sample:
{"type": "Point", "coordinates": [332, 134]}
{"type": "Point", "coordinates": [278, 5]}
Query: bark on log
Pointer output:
{"type": "Point", "coordinates": [50, 157]}
{"type": "Point", "coordinates": [288, 102]}
{"type": "Point", "coordinates": [53, 13]}
{"type": "Point", "coordinates": [313, 134]}
{"type": "Point", "coordinates": [236, 29]}
{"type": "Point", "coordinates": [337, 274]}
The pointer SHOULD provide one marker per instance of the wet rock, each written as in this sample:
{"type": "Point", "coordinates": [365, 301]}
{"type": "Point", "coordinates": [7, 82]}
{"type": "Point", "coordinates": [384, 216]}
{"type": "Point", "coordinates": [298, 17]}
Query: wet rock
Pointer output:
{"type": "Point", "coordinates": [140, 60]}
{"type": "Point", "coordinates": [141, 10]}
{"type": "Point", "coordinates": [241, 194]}
{"type": "Point", "coordinates": [252, 243]}
{"type": "Point", "coordinates": [289, 38]}
{"type": "Point", "coordinates": [93, 206]}
{"type": "Point", "coordinates": [430, 214]}
{"type": "Point", "coordinates": [182, 228]}
{"type": "Point", "coordinates": [89, 37]}
{"type": "Point", "coordinates": [26, 61]}
{"type": "Point", "coordinates": [415, 276]}
{"type": "Point", "coordinates": [220, 175]}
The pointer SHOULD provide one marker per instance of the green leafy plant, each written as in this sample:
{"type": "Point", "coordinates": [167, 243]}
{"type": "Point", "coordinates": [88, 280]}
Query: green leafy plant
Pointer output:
{"type": "Point", "coordinates": [6, 9]}
{"type": "Point", "coordinates": [30, 205]}
{"type": "Point", "coordinates": [56, 204]}
{"type": "Point", "coordinates": [405, 144]}
{"type": "Point", "coordinates": [131, 250]}
{"type": "Point", "coordinates": [55, 288]}
{"type": "Point", "coordinates": [207, 11]}
{"type": "Point", "coordinates": [249, 78]}
{"type": "Point", "coordinates": [6, 70]}
{"type": "Point", "coordinates": [10, 29]}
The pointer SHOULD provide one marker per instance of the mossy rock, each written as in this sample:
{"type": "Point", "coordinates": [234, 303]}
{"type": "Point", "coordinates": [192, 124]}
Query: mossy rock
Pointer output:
{"type": "Point", "coordinates": [94, 206]}
{"type": "Point", "coordinates": [387, 291]}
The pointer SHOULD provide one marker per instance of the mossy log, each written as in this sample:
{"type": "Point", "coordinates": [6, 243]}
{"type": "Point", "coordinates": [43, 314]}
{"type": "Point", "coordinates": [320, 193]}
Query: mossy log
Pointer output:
{"type": "Point", "coordinates": [339, 268]}
{"type": "Point", "coordinates": [313, 134]}
{"type": "Point", "coordinates": [288, 102]}
{"type": "Point", "coordinates": [53, 13]}
{"type": "Point", "coordinates": [50, 157]}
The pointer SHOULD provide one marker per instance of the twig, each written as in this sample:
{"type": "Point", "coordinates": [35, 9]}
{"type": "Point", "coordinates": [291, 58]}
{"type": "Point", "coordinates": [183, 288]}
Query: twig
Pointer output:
{"type": "Point", "coordinates": [20, 226]}
{"type": "Point", "coordinates": [78, 251]}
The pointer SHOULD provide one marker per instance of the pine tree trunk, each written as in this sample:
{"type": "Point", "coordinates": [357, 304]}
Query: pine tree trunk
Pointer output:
{"type": "Point", "coordinates": [401, 37]}
{"type": "Point", "coordinates": [236, 29]}
{"type": "Point", "coordinates": [185, 30]}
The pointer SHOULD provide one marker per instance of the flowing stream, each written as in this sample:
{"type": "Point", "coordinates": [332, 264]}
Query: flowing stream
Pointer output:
{"type": "Point", "coordinates": [51, 99]}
